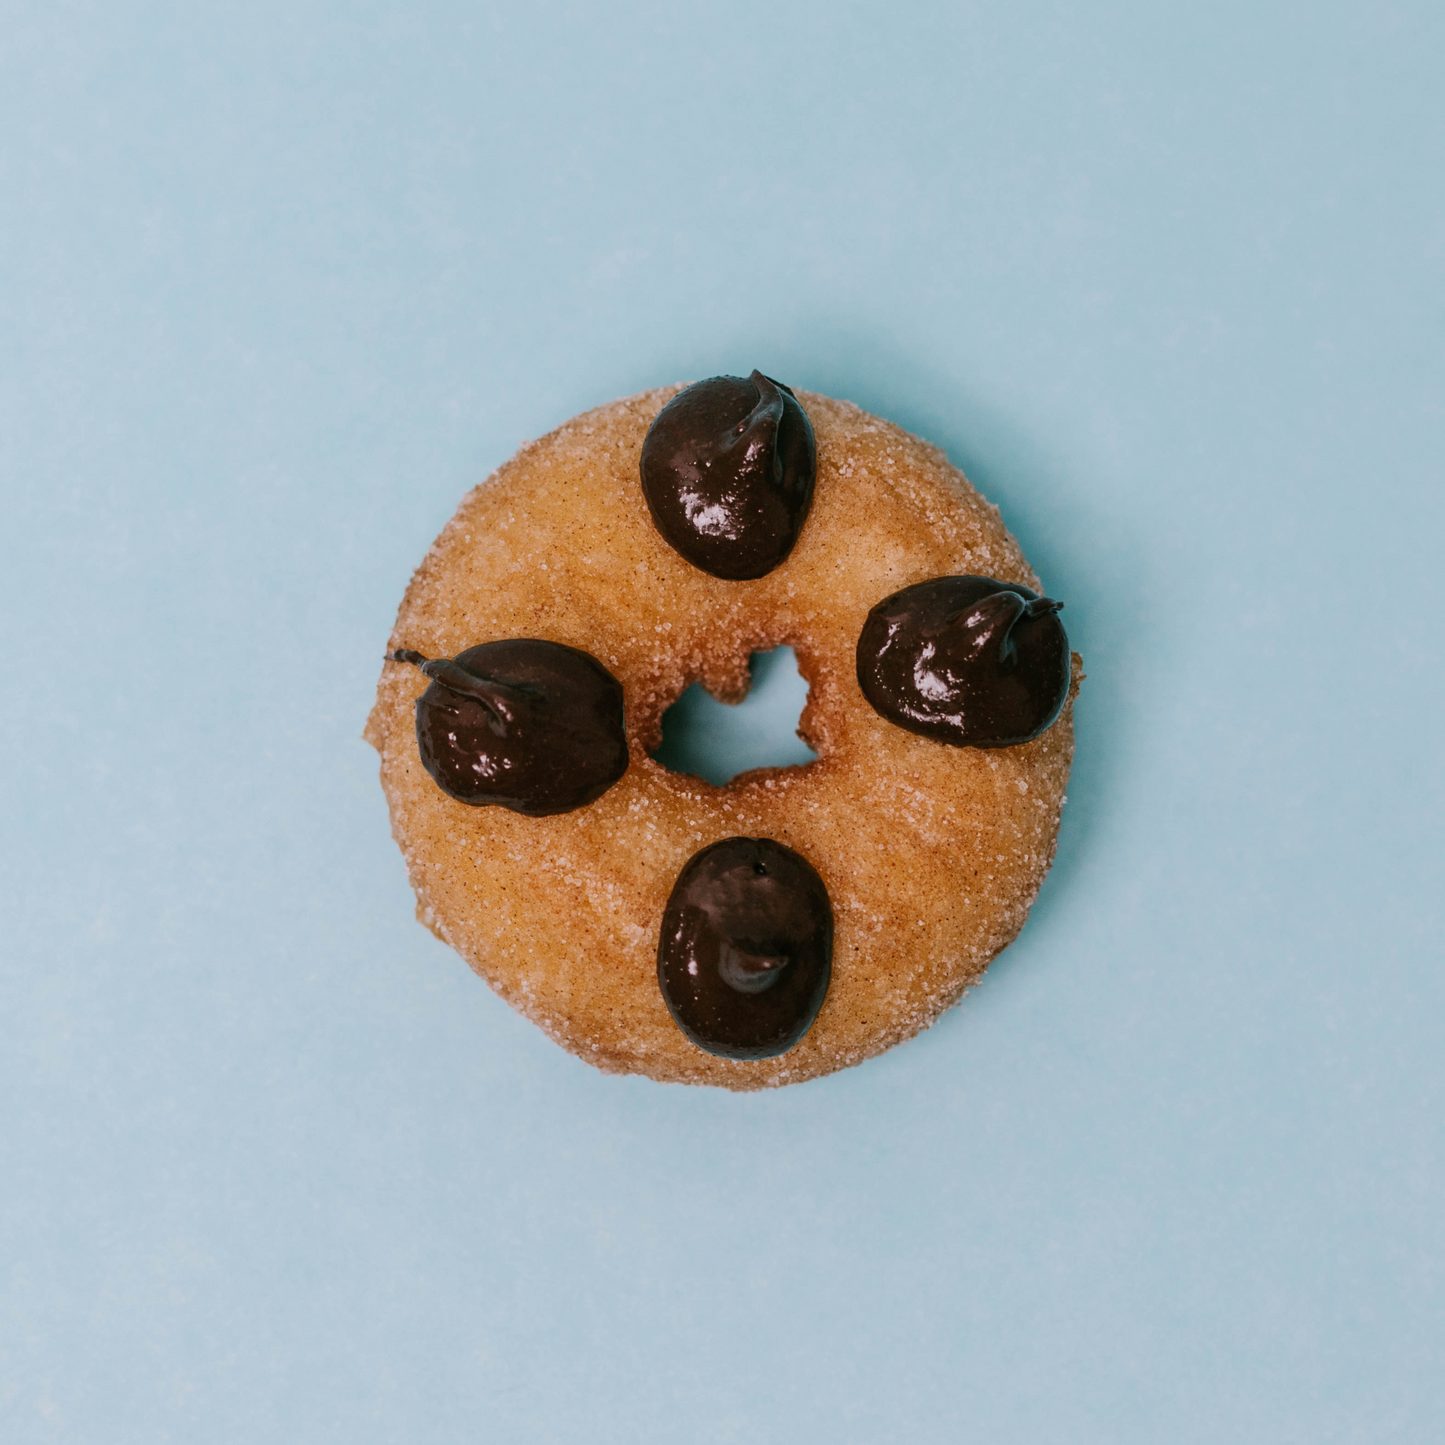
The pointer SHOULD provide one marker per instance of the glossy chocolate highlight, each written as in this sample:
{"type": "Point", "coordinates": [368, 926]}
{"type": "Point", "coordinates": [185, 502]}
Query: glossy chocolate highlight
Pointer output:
{"type": "Point", "coordinates": [524, 724]}
{"type": "Point", "coordinates": [745, 952]}
{"type": "Point", "coordinates": [966, 660]}
{"type": "Point", "coordinates": [728, 467]}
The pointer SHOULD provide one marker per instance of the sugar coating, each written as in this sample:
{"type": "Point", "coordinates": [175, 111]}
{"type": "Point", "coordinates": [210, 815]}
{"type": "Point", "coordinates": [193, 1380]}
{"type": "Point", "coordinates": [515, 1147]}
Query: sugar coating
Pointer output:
{"type": "Point", "coordinates": [931, 854]}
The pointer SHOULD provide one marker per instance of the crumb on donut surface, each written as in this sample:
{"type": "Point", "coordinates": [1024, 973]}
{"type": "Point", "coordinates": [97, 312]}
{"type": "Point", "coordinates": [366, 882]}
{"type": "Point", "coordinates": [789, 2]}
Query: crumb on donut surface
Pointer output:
{"type": "Point", "coordinates": [931, 854]}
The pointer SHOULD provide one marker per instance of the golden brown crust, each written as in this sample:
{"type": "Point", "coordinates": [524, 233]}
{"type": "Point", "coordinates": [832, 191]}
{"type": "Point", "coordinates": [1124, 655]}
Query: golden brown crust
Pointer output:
{"type": "Point", "coordinates": [931, 854]}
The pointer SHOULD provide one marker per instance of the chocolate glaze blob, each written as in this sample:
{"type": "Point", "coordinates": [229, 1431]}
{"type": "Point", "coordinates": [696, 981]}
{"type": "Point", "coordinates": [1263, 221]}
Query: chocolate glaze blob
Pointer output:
{"type": "Point", "coordinates": [728, 467]}
{"type": "Point", "coordinates": [966, 660]}
{"type": "Point", "coordinates": [524, 724]}
{"type": "Point", "coordinates": [745, 952]}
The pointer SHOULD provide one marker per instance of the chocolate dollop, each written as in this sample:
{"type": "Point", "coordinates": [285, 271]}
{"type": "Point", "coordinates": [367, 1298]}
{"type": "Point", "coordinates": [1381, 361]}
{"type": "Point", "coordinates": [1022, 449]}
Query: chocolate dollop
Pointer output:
{"type": "Point", "coordinates": [727, 470]}
{"type": "Point", "coordinates": [746, 948]}
{"type": "Point", "coordinates": [966, 660]}
{"type": "Point", "coordinates": [528, 725]}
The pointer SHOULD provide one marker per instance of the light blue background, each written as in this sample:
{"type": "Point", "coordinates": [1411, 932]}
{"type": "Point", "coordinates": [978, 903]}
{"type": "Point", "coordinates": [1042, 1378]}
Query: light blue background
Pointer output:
{"type": "Point", "coordinates": [278, 281]}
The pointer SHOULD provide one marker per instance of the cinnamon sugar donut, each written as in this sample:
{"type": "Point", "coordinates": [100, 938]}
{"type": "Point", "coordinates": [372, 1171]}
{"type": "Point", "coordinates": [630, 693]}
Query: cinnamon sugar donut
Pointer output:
{"type": "Point", "coordinates": [930, 850]}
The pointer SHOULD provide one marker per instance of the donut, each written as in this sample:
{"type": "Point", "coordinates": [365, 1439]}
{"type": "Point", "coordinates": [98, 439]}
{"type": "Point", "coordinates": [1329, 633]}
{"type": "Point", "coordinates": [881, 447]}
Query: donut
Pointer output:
{"type": "Point", "coordinates": [793, 921]}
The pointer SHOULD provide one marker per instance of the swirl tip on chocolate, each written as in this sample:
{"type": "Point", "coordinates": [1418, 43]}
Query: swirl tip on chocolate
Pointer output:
{"type": "Point", "coordinates": [525, 724]}
{"type": "Point", "coordinates": [969, 661]}
{"type": "Point", "coordinates": [745, 950]}
{"type": "Point", "coordinates": [727, 469]}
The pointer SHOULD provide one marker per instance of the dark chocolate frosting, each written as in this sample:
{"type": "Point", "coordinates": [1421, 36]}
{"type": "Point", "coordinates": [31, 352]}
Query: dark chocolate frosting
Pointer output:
{"type": "Point", "coordinates": [528, 725]}
{"type": "Point", "coordinates": [966, 660]}
{"type": "Point", "coordinates": [727, 470]}
{"type": "Point", "coordinates": [746, 948]}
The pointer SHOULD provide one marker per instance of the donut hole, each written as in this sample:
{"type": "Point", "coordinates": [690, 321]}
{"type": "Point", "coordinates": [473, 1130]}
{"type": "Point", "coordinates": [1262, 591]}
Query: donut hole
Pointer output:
{"type": "Point", "coordinates": [716, 741]}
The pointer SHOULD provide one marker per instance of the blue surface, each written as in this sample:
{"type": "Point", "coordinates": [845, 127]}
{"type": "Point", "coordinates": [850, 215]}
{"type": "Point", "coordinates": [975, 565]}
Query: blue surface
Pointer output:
{"type": "Point", "coordinates": [279, 281]}
{"type": "Point", "coordinates": [717, 741]}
